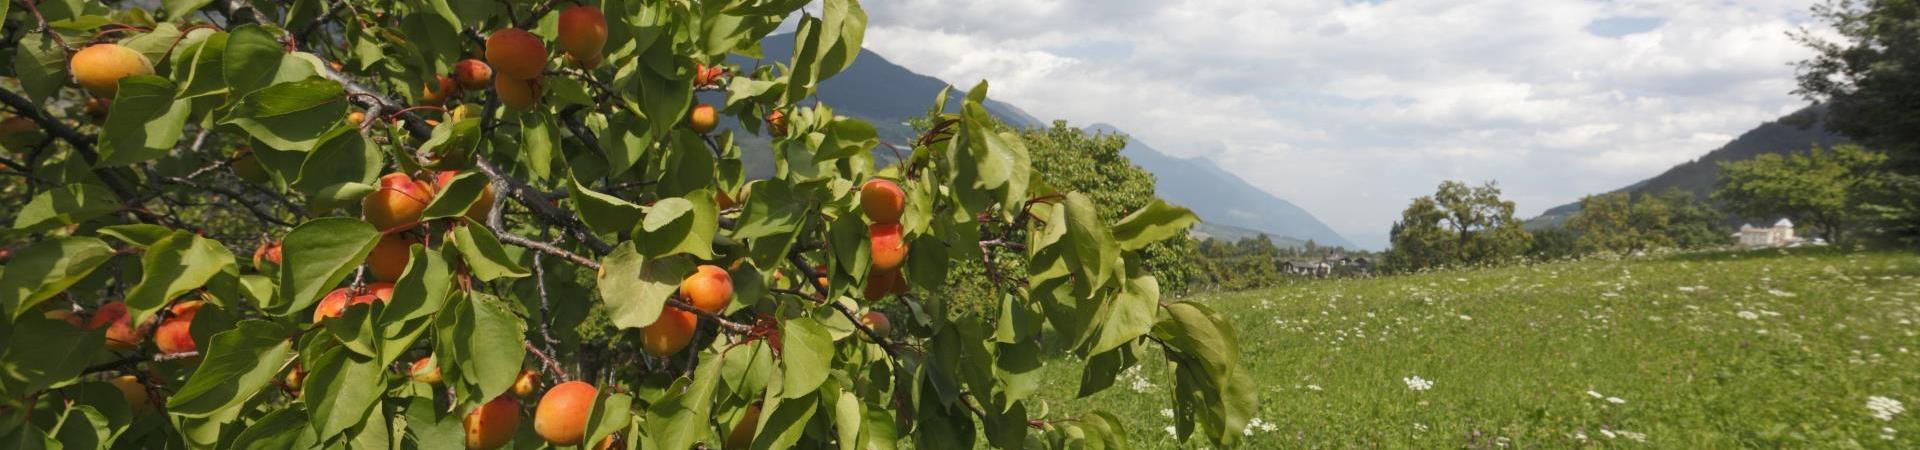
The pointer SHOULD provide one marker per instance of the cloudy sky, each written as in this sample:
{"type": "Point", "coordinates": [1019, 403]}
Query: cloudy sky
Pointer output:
{"type": "Point", "coordinates": [1351, 108]}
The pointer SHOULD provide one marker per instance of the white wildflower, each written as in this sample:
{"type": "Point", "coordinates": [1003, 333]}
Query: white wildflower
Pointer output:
{"type": "Point", "coordinates": [1420, 427]}
{"type": "Point", "coordinates": [1594, 394]}
{"type": "Point", "coordinates": [1884, 408]}
{"type": "Point", "coordinates": [1417, 384]}
{"type": "Point", "coordinates": [1608, 433]}
{"type": "Point", "coordinates": [1173, 432]}
{"type": "Point", "coordinates": [1313, 387]}
{"type": "Point", "coordinates": [1166, 412]}
{"type": "Point", "coordinates": [1465, 317]}
{"type": "Point", "coordinates": [1749, 315]}
{"type": "Point", "coordinates": [1633, 436]}
{"type": "Point", "coordinates": [1779, 293]}
{"type": "Point", "coordinates": [1616, 400]}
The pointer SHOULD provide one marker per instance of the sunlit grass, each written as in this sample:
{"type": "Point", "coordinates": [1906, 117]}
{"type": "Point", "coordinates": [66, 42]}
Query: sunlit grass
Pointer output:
{"type": "Point", "coordinates": [1755, 349]}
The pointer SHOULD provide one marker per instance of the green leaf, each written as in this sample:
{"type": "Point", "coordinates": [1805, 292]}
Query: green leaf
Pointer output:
{"type": "Point", "coordinates": [204, 68]}
{"type": "Point", "coordinates": [806, 358]}
{"type": "Point", "coordinates": [235, 366]}
{"type": "Point", "coordinates": [252, 58]}
{"type": "Point", "coordinates": [317, 255]}
{"type": "Point", "coordinates": [342, 160]}
{"type": "Point", "coordinates": [1130, 314]}
{"type": "Point", "coordinates": [635, 288]}
{"type": "Point", "coordinates": [624, 141]}
{"type": "Point", "coordinates": [41, 65]}
{"type": "Point", "coordinates": [772, 208]}
{"type": "Point", "coordinates": [456, 197]}
{"type": "Point", "coordinates": [845, 30]}
{"type": "Point", "coordinates": [178, 9]}
{"type": "Point", "coordinates": [680, 419]}
{"type": "Point", "coordinates": [58, 352]}
{"type": "Point", "coordinates": [145, 123]}
{"type": "Point", "coordinates": [612, 412]}
{"type": "Point", "coordinates": [1090, 243]}
{"type": "Point", "coordinates": [137, 234]}
{"type": "Point", "coordinates": [281, 429]}
{"type": "Point", "coordinates": [604, 213]}
{"type": "Point", "coordinates": [172, 267]}
{"type": "Point", "coordinates": [680, 225]}
{"type": "Point", "coordinates": [288, 116]}
{"type": "Point", "coordinates": [539, 141]}
{"type": "Point", "coordinates": [688, 166]}
{"type": "Point", "coordinates": [453, 143]}
{"type": "Point", "coordinates": [846, 137]}
{"type": "Point", "coordinates": [422, 289]}
{"type": "Point", "coordinates": [1155, 222]}
{"type": "Point", "coordinates": [341, 388]}
{"type": "Point", "coordinates": [479, 344]}
{"type": "Point", "coordinates": [483, 253]}
{"type": "Point", "coordinates": [44, 269]}
{"type": "Point", "coordinates": [67, 205]}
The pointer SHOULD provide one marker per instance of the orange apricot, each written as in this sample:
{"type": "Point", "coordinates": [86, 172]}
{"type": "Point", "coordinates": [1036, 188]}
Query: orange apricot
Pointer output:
{"type": "Point", "coordinates": [398, 202]}
{"type": "Point", "coordinates": [100, 67]}
{"type": "Point", "coordinates": [561, 417]}
{"type": "Point", "coordinates": [710, 288]}
{"type": "Point", "coordinates": [670, 333]}
{"type": "Point", "coordinates": [515, 53]}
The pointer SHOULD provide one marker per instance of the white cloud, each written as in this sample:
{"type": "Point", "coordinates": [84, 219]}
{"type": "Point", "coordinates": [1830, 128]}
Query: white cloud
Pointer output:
{"type": "Point", "coordinates": [1381, 99]}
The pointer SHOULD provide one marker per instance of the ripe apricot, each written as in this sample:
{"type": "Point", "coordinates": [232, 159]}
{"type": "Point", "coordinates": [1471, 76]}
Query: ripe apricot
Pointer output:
{"type": "Point", "coordinates": [879, 284]}
{"type": "Point", "coordinates": [702, 118]}
{"type": "Point", "coordinates": [878, 322]}
{"type": "Point", "coordinates": [515, 53]}
{"type": "Point", "coordinates": [267, 258]}
{"type": "Point", "coordinates": [356, 118]}
{"type": "Point", "coordinates": [491, 425]}
{"type": "Point", "coordinates": [425, 371]}
{"type": "Point", "coordinates": [526, 383]}
{"type": "Point", "coordinates": [97, 110]}
{"type": "Point", "coordinates": [670, 333]}
{"type": "Point", "coordinates": [583, 33]}
{"type": "Point", "coordinates": [882, 200]}
{"type": "Point", "coordinates": [889, 248]}
{"type": "Point", "coordinates": [709, 288]}
{"type": "Point", "coordinates": [438, 91]}
{"type": "Point", "coordinates": [742, 434]}
{"type": "Point", "coordinates": [121, 334]}
{"type": "Point", "coordinates": [336, 302]}
{"type": "Point", "coordinates": [390, 257]}
{"type": "Point", "coordinates": [517, 94]}
{"type": "Point", "coordinates": [175, 333]}
{"type": "Point", "coordinates": [777, 123]}
{"type": "Point", "coordinates": [472, 74]}
{"type": "Point", "coordinates": [100, 67]}
{"type": "Point", "coordinates": [398, 202]}
{"type": "Point", "coordinates": [481, 207]}
{"type": "Point", "coordinates": [561, 417]}
{"type": "Point", "coordinates": [138, 401]}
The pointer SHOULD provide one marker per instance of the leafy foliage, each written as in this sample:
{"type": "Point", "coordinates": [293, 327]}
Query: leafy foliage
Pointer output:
{"type": "Point", "coordinates": [1622, 223]}
{"type": "Point", "coordinates": [1825, 188]}
{"type": "Point", "coordinates": [1868, 78]}
{"type": "Point", "coordinates": [417, 256]}
{"type": "Point", "coordinates": [1458, 225]}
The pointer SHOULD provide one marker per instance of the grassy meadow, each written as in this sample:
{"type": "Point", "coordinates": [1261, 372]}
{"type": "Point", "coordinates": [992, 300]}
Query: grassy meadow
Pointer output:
{"type": "Point", "coordinates": [1809, 348]}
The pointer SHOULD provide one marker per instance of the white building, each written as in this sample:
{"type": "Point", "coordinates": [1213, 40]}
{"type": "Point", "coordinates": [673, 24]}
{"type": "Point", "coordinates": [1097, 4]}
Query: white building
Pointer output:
{"type": "Point", "coordinates": [1780, 235]}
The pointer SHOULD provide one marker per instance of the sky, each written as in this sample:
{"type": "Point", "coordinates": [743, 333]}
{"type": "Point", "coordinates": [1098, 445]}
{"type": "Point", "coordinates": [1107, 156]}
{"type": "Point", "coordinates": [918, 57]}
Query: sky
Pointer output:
{"type": "Point", "coordinates": [1352, 108]}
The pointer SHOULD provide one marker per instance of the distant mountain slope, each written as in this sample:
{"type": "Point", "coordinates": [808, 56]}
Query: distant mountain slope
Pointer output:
{"type": "Point", "coordinates": [888, 95]}
{"type": "Point", "coordinates": [1794, 132]}
{"type": "Point", "coordinates": [1204, 230]}
{"type": "Point", "coordinates": [1220, 197]}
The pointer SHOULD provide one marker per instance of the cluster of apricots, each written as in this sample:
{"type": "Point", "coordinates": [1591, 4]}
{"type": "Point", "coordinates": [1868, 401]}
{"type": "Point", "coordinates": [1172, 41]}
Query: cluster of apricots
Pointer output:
{"type": "Point", "coordinates": [882, 201]}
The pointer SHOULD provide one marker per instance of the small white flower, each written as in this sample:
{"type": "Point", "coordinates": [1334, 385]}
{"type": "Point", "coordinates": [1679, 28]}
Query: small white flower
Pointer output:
{"type": "Point", "coordinates": [1313, 387]}
{"type": "Point", "coordinates": [1616, 400]}
{"type": "Point", "coordinates": [1779, 293]}
{"type": "Point", "coordinates": [1166, 412]}
{"type": "Point", "coordinates": [1749, 315]}
{"type": "Point", "coordinates": [1420, 427]}
{"type": "Point", "coordinates": [1884, 408]}
{"type": "Point", "coordinates": [1465, 317]}
{"type": "Point", "coordinates": [1417, 384]}
{"type": "Point", "coordinates": [1608, 433]}
{"type": "Point", "coordinates": [1633, 436]}
{"type": "Point", "coordinates": [1173, 432]}
{"type": "Point", "coordinates": [1595, 394]}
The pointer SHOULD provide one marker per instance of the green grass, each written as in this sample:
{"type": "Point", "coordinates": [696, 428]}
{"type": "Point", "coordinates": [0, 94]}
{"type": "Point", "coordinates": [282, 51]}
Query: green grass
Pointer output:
{"type": "Point", "coordinates": [1723, 350]}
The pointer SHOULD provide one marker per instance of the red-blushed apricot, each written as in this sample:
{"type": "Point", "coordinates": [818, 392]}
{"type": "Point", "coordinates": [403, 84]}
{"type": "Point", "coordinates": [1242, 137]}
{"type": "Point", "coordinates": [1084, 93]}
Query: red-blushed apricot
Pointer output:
{"type": "Point", "coordinates": [515, 53]}
{"type": "Point", "coordinates": [174, 334]}
{"type": "Point", "coordinates": [398, 202]}
{"type": "Point", "coordinates": [524, 385]}
{"type": "Point", "coordinates": [266, 259]}
{"type": "Point", "coordinates": [879, 284]}
{"type": "Point", "coordinates": [491, 425]}
{"type": "Point", "coordinates": [425, 371]}
{"type": "Point", "coordinates": [438, 91]}
{"type": "Point", "coordinates": [878, 322]}
{"type": "Point", "coordinates": [247, 165]}
{"type": "Point", "coordinates": [138, 400]}
{"type": "Point", "coordinates": [472, 74]}
{"type": "Point", "coordinates": [882, 200]}
{"type": "Point", "coordinates": [777, 123]}
{"type": "Point", "coordinates": [702, 118]}
{"type": "Point", "coordinates": [97, 110]}
{"type": "Point", "coordinates": [356, 118]}
{"type": "Point", "coordinates": [741, 436]}
{"type": "Point", "coordinates": [561, 417]}
{"type": "Point", "coordinates": [121, 335]}
{"type": "Point", "coordinates": [724, 201]}
{"type": "Point", "coordinates": [583, 33]}
{"type": "Point", "coordinates": [337, 301]}
{"type": "Point", "coordinates": [390, 257]}
{"type": "Point", "coordinates": [670, 333]}
{"type": "Point", "coordinates": [889, 248]}
{"type": "Point", "coordinates": [481, 207]}
{"type": "Point", "coordinates": [709, 288]}
{"type": "Point", "coordinates": [704, 75]}
{"type": "Point", "coordinates": [517, 94]}
{"type": "Point", "coordinates": [100, 67]}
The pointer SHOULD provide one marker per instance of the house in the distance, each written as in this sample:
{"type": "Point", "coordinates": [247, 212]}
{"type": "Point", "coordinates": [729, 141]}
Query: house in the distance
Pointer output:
{"type": "Point", "coordinates": [1779, 235]}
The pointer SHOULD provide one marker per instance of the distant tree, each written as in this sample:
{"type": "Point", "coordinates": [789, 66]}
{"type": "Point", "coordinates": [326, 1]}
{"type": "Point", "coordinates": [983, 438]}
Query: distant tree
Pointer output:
{"type": "Point", "coordinates": [1870, 80]}
{"type": "Point", "coordinates": [1615, 223]}
{"type": "Point", "coordinates": [1827, 189]}
{"type": "Point", "coordinates": [1693, 223]}
{"type": "Point", "coordinates": [1551, 243]}
{"type": "Point", "coordinates": [1458, 225]}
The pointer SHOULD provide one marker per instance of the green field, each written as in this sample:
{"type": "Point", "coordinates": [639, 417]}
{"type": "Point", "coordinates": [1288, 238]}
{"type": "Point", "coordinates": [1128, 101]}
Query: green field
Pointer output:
{"type": "Point", "coordinates": [1723, 350]}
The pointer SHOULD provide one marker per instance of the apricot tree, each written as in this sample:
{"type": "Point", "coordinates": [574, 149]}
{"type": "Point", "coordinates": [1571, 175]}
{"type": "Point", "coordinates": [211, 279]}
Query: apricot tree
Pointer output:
{"type": "Point", "coordinates": [526, 222]}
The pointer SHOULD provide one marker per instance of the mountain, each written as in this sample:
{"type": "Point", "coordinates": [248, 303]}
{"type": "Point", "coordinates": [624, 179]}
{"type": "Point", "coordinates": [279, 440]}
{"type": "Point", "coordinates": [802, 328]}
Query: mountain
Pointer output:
{"type": "Point", "coordinates": [1794, 132]}
{"type": "Point", "coordinates": [1208, 230]}
{"type": "Point", "coordinates": [888, 95]}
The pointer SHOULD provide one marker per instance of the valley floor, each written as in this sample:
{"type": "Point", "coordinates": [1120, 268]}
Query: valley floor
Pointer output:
{"type": "Point", "coordinates": [1815, 348]}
